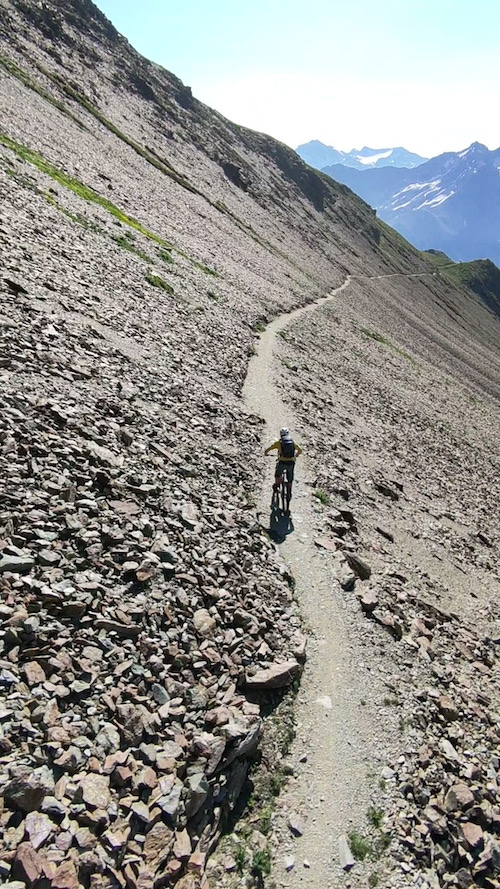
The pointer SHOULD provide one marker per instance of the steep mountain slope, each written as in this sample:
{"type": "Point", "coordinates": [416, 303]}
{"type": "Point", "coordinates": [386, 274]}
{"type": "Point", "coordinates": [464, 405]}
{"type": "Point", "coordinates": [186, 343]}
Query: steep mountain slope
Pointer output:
{"type": "Point", "coordinates": [319, 155]}
{"type": "Point", "coordinates": [144, 612]}
{"type": "Point", "coordinates": [451, 203]}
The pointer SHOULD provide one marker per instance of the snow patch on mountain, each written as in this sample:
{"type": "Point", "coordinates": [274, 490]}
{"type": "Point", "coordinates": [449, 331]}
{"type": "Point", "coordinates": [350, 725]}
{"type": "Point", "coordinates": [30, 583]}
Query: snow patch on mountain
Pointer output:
{"type": "Point", "coordinates": [374, 158]}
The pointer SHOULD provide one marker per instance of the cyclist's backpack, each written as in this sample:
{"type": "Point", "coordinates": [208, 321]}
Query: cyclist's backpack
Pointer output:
{"type": "Point", "coordinates": [287, 448]}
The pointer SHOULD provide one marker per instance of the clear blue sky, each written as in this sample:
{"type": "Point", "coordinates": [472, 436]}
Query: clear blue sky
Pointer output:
{"type": "Point", "coordinates": [420, 73]}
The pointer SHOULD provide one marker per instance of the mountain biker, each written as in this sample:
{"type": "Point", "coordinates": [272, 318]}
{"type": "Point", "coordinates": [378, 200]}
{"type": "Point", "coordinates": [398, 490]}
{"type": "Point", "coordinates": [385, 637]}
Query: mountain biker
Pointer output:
{"type": "Point", "coordinates": [288, 451]}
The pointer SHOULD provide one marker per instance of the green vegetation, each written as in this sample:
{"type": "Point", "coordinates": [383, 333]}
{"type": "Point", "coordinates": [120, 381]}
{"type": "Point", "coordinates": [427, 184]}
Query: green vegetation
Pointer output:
{"type": "Point", "coordinates": [265, 819]}
{"type": "Point", "coordinates": [259, 327]}
{"type": "Point", "coordinates": [437, 258]}
{"type": "Point", "coordinates": [75, 217]}
{"type": "Point", "coordinates": [240, 857]}
{"type": "Point", "coordinates": [375, 816]}
{"type": "Point", "coordinates": [361, 848]}
{"type": "Point", "coordinates": [373, 879]}
{"type": "Point", "coordinates": [125, 241]}
{"type": "Point", "coordinates": [156, 281]}
{"type": "Point", "coordinates": [481, 276]}
{"type": "Point", "coordinates": [385, 342]}
{"type": "Point", "coordinates": [278, 780]}
{"type": "Point", "coordinates": [26, 80]}
{"type": "Point", "coordinates": [261, 865]}
{"type": "Point", "coordinates": [165, 255]}
{"type": "Point", "coordinates": [79, 188]}
{"type": "Point", "coordinates": [322, 496]}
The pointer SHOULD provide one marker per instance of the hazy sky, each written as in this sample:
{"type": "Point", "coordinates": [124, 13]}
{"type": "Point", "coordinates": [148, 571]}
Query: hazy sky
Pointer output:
{"type": "Point", "coordinates": [424, 74]}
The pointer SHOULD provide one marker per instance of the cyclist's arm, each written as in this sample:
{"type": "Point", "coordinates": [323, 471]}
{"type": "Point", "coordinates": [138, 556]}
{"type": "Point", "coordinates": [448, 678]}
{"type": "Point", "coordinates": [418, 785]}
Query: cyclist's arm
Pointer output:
{"type": "Point", "coordinates": [272, 447]}
{"type": "Point", "coordinates": [298, 450]}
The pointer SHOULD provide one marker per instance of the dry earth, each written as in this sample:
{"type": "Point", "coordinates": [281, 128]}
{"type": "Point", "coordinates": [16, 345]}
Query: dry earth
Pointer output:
{"type": "Point", "coordinates": [148, 625]}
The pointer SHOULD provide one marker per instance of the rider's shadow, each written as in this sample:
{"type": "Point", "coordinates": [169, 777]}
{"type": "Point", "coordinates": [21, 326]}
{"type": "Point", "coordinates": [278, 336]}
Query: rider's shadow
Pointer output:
{"type": "Point", "coordinates": [280, 525]}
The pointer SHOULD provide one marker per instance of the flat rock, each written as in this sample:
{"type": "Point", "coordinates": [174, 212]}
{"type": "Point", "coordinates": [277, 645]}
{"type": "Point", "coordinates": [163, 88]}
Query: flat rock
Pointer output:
{"type": "Point", "coordinates": [345, 855]}
{"type": "Point", "coordinates": [296, 824]}
{"type": "Point", "coordinates": [276, 676]}
{"type": "Point", "coordinates": [95, 790]}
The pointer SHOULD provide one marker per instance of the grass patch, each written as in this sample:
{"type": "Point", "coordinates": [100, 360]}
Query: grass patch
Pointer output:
{"type": "Point", "coordinates": [240, 857]}
{"type": "Point", "coordinates": [261, 864]}
{"type": "Point", "coordinates": [26, 80]}
{"type": "Point", "coordinates": [372, 334]}
{"type": "Point", "coordinates": [265, 819]}
{"type": "Point", "coordinates": [125, 243]}
{"type": "Point", "coordinates": [206, 269]}
{"type": "Point", "coordinates": [322, 496]}
{"type": "Point", "coordinates": [373, 879]}
{"type": "Point", "coordinates": [79, 188]}
{"type": "Point", "coordinates": [156, 281]}
{"type": "Point", "coordinates": [361, 848]}
{"type": "Point", "coordinates": [277, 781]}
{"type": "Point", "coordinates": [259, 327]}
{"type": "Point", "coordinates": [79, 218]}
{"type": "Point", "coordinates": [375, 816]}
{"type": "Point", "coordinates": [165, 255]}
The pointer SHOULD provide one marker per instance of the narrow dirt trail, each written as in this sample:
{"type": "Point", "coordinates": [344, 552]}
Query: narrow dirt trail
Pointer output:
{"type": "Point", "coordinates": [336, 737]}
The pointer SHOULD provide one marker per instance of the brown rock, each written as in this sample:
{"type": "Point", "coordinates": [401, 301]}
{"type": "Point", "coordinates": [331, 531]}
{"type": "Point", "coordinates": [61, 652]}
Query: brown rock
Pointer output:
{"type": "Point", "coordinates": [459, 797]}
{"type": "Point", "coordinates": [34, 673]}
{"type": "Point", "coordinates": [296, 824]}
{"type": "Point", "coordinates": [358, 565]}
{"type": "Point", "coordinates": [65, 877]}
{"type": "Point", "coordinates": [276, 676]}
{"type": "Point", "coordinates": [326, 543]}
{"type": "Point", "coordinates": [158, 842]}
{"type": "Point", "coordinates": [472, 834]}
{"type": "Point", "coordinates": [196, 862]}
{"type": "Point", "coordinates": [28, 864]}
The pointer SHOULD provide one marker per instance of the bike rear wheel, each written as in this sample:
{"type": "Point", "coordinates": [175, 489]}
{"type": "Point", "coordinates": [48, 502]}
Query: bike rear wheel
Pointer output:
{"type": "Point", "coordinates": [285, 502]}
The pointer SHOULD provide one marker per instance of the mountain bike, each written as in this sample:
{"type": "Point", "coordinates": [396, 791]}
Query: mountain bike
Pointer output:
{"type": "Point", "coordinates": [282, 494]}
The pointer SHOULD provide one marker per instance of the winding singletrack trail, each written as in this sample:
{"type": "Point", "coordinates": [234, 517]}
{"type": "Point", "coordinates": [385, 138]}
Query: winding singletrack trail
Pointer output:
{"type": "Point", "coordinates": [341, 742]}
{"type": "Point", "coordinates": [334, 731]}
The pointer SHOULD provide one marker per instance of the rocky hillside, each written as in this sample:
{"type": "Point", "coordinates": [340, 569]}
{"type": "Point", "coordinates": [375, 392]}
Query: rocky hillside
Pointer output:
{"type": "Point", "coordinates": [146, 620]}
{"type": "Point", "coordinates": [449, 203]}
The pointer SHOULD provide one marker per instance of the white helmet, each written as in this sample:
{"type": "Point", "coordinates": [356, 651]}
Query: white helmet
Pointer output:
{"type": "Point", "coordinates": [284, 433]}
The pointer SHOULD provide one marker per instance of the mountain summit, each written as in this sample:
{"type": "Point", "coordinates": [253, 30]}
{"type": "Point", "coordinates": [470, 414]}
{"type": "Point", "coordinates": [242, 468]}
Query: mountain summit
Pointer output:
{"type": "Point", "coordinates": [450, 203]}
{"type": "Point", "coordinates": [318, 155]}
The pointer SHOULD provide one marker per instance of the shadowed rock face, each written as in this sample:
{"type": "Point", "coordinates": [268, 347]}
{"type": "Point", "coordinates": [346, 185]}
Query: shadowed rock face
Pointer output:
{"type": "Point", "coordinates": [139, 594]}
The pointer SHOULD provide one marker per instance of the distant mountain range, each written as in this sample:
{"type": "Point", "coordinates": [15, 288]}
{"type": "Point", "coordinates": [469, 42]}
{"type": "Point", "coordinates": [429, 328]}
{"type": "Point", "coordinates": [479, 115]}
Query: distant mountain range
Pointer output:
{"type": "Point", "coordinates": [449, 203]}
{"type": "Point", "coordinates": [318, 155]}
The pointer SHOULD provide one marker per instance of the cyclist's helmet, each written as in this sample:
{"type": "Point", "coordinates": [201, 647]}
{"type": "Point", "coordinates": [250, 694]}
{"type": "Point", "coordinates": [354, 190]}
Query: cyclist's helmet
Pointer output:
{"type": "Point", "coordinates": [284, 433]}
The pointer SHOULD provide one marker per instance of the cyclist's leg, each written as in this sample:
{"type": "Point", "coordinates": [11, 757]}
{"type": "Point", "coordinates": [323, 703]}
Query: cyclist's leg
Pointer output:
{"type": "Point", "coordinates": [277, 475]}
{"type": "Point", "coordinates": [290, 474]}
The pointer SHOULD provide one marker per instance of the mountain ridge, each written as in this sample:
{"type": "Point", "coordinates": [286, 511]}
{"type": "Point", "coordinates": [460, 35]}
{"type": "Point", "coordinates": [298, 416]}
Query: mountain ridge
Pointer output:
{"type": "Point", "coordinates": [319, 155]}
{"type": "Point", "coordinates": [449, 203]}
